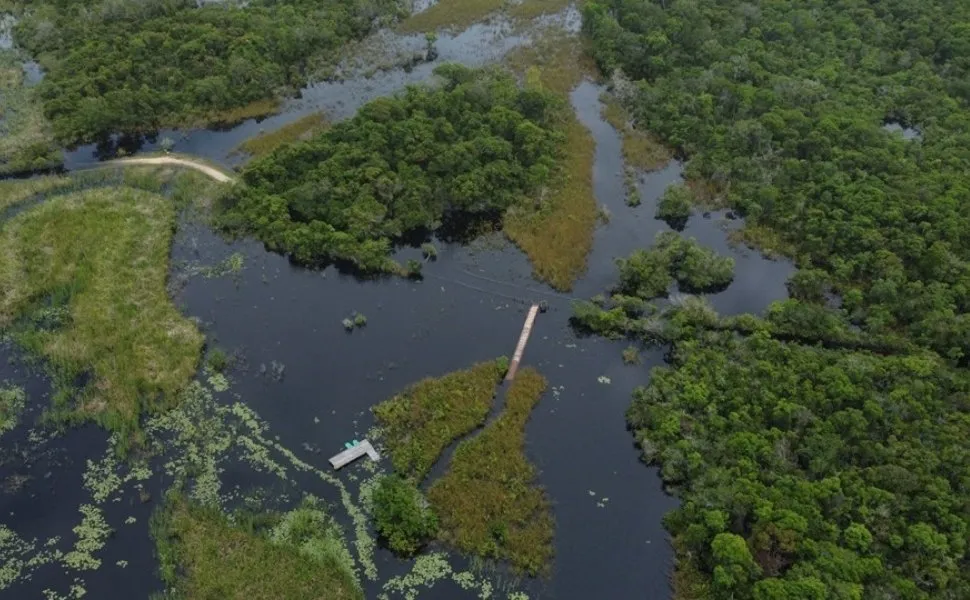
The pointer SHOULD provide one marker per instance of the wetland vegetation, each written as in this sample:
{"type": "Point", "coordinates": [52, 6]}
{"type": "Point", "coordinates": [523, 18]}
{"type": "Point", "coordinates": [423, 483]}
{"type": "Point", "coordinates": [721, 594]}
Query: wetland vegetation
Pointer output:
{"type": "Point", "coordinates": [474, 146]}
{"type": "Point", "coordinates": [133, 67]}
{"type": "Point", "coordinates": [818, 450]}
{"type": "Point", "coordinates": [83, 287]}
{"type": "Point", "coordinates": [264, 556]}
{"type": "Point", "coordinates": [419, 423]}
{"type": "Point", "coordinates": [556, 231]}
{"type": "Point", "coordinates": [819, 454]}
{"type": "Point", "coordinates": [488, 502]}
{"type": "Point", "coordinates": [26, 142]}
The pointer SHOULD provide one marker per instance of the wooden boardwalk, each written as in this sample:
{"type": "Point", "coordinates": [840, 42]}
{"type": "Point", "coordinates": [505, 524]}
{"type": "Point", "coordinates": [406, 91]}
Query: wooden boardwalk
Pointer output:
{"type": "Point", "coordinates": [351, 454]}
{"type": "Point", "coordinates": [523, 340]}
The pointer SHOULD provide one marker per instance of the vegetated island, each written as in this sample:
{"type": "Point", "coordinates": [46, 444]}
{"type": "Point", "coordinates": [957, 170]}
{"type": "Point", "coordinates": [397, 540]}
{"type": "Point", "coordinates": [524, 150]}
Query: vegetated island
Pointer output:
{"type": "Point", "coordinates": [486, 504]}
{"type": "Point", "coordinates": [820, 451]}
{"type": "Point", "coordinates": [424, 161]}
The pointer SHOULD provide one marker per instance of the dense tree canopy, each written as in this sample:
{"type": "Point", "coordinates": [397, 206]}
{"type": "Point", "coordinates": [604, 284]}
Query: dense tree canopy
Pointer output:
{"type": "Point", "coordinates": [812, 474]}
{"type": "Point", "coordinates": [821, 452]}
{"type": "Point", "coordinates": [782, 105]}
{"type": "Point", "coordinates": [475, 145]}
{"type": "Point", "coordinates": [120, 66]}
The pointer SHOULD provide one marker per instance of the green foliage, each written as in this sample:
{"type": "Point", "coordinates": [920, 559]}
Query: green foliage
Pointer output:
{"type": "Point", "coordinates": [487, 502]}
{"type": "Point", "coordinates": [675, 206]}
{"type": "Point", "coordinates": [25, 136]}
{"type": "Point", "coordinates": [811, 473]}
{"type": "Point", "coordinates": [300, 554]}
{"type": "Point", "coordinates": [300, 129]}
{"type": "Point", "coordinates": [82, 277]}
{"type": "Point", "coordinates": [136, 66]}
{"type": "Point", "coordinates": [474, 146]}
{"type": "Point", "coordinates": [648, 273]}
{"type": "Point", "coordinates": [217, 360]}
{"type": "Point", "coordinates": [402, 516]}
{"type": "Point", "coordinates": [780, 107]}
{"type": "Point", "coordinates": [359, 320]}
{"type": "Point", "coordinates": [413, 268]}
{"type": "Point", "coordinates": [429, 251]}
{"type": "Point", "coordinates": [422, 421]}
{"type": "Point", "coordinates": [12, 400]}
{"type": "Point", "coordinates": [631, 355]}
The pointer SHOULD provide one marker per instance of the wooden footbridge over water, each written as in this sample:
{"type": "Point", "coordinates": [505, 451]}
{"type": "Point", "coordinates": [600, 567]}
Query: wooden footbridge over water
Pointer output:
{"type": "Point", "coordinates": [358, 449]}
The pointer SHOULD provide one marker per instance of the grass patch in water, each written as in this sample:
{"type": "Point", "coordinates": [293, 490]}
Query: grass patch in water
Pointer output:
{"type": "Point", "coordinates": [640, 150]}
{"type": "Point", "coordinates": [557, 231]}
{"type": "Point", "coordinates": [301, 129]}
{"type": "Point", "coordinates": [419, 423]}
{"type": "Point", "coordinates": [12, 400]}
{"type": "Point", "coordinates": [450, 14]}
{"type": "Point", "coordinates": [299, 555]}
{"type": "Point", "coordinates": [486, 503]}
{"type": "Point", "coordinates": [82, 279]}
{"type": "Point", "coordinates": [25, 134]}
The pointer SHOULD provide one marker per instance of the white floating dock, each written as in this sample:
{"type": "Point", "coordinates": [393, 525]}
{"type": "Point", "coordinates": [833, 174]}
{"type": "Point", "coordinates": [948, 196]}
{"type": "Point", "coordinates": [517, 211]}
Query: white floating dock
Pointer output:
{"type": "Point", "coordinates": [351, 454]}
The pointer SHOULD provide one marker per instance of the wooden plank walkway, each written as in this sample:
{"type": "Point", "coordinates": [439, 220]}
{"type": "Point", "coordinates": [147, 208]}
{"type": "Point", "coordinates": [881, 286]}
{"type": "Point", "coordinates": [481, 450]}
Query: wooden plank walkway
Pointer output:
{"type": "Point", "coordinates": [351, 454]}
{"type": "Point", "coordinates": [523, 340]}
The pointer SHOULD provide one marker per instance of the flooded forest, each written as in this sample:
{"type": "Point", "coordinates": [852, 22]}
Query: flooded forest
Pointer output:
{"type": "Point", "coordinates": [496, 299]}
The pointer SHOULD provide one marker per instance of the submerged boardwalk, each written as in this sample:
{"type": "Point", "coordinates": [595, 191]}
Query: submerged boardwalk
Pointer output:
{"type": "Point", "coordinates": [351, 454]}
{"type": "Point", "coordinates": [523, 340]}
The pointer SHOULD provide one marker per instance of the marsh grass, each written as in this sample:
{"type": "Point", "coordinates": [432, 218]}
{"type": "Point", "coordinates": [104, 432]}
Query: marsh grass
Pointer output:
{"type": "Point", "coordinates": [25, 134]}
{"type": "Point", "coordinates": [101, 258]}
{"type": "Point", "coordinates": [557, 231]}
{"type": "Point", "coordinates": [526, 11]}
{"type": "Point", "coordinates": [450, 14]}
{"type": "Point", "coordinates": [205, 557]}
{"type": "Point", "coordinates": [15, 191]}
{"type": "Point", "coordinates": [419, 423]}
{"type": "Point", "coordinates": [487, 503]}
{"type": "Point", "coordinates": [301, 129]}
{"type": "Point", "coordinates": [640, 149]}
{"type": "Point", "coordinates": [233, 116]}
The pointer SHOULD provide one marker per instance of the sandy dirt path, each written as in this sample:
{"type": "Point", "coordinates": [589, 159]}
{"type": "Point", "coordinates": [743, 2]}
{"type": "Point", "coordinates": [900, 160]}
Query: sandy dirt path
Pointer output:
{"type": "Point", "coordinates": [173, 160]}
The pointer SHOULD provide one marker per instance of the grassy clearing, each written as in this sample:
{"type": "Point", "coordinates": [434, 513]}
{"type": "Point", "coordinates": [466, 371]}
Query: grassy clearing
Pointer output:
{"type": "Point", "coordinates": [25, 135]}
{"type": "Point", "coordinates": [432, 413]}
{"type": "Point", "coordinates": [203, 556]}
{"type": "Point", "coordinates": [486, 503]}
{"type": "Point", "coordinates": [450, 14]}
{"type": "Point", "coordinates": [300, 129]}
{"type": "Point", "coordinates": [82, 279]}
{"type": "Point", "coordinates": [640, 149]}
{"type": "Point", "coordinates": [557, 232]}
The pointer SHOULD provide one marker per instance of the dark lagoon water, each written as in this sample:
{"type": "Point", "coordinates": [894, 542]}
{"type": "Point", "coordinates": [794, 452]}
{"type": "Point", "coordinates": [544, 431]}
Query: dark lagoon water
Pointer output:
{"type": "Point", "coordinates": [610, 542]}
